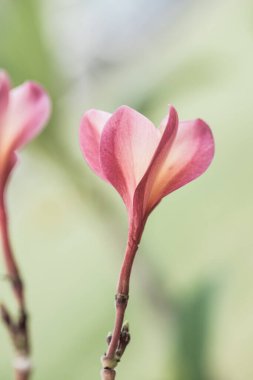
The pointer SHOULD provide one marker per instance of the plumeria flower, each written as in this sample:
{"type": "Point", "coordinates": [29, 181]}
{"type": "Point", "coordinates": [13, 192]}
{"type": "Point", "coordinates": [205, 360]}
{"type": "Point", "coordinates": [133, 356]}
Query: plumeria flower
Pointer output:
{"type": "Point", "coordinates": [142, 162]}
{"type": "Point", "coordinates": [24, 111]}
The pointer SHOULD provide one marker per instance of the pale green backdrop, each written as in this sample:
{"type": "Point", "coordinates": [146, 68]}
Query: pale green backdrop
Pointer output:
{"type": "Point", "coordinates": [191, 304]}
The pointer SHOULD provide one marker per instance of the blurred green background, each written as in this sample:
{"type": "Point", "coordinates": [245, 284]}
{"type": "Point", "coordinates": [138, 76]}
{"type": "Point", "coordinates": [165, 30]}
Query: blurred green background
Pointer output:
{"type": "Point", "coordinates": [191, 304]}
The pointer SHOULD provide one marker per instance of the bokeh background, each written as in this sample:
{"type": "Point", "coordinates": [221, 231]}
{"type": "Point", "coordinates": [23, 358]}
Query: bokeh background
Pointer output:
{"type": "Point", "coordinates": [191, 305]}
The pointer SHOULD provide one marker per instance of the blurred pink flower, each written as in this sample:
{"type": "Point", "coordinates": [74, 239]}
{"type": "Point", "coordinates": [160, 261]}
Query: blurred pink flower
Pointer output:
{"type": "Point", "coordinates": [24, 111]}
{"type": "Point", "coordinates": [142, 162]}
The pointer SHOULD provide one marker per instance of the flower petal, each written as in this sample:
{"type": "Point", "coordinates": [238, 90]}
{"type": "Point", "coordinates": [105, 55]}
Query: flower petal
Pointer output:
{"type": "Point", "coordinates": [128, 143]}
{"type": "Point", "coordinates": [24, 111]}
{"type": "Point", "coordinates": [90, 132]}
{"type": "Point", "coordinates": [142, 193]}
{"type": "Point", "coordinates": [28, 111]}
{"type": "Point", "coordinates": [189, 156]}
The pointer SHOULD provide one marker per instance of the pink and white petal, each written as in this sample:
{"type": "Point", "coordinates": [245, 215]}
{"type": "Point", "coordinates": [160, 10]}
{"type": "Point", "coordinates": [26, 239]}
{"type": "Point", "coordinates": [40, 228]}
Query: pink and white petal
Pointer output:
{"type": "Point", "coordinates": [91, 128]}
{"type": "Point", "coordinates": [4, 97]}
{"type": "Point", "coordinates": [28, 111]}
{"type": "Point", "coordinates": [128, 143]}
{"type": "Point", "coordinates": [142, 193]}
{"type": "Point", "coordinates": [189, 156]}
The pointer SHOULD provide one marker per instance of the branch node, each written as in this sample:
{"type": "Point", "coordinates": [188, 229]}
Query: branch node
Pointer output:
{"type": "Point", "coordinates": [17, 329]}
{"type": "Point", "coordinates": [121, 299]}
{"type": "Point", "coordinates": [108, 374]}
{"type": "Point", "coordinates": [109, 363]}
{"type": "Point", "coordinates": [109, 338]}
{"type": "Point", "coordinates": [5, 315]}
{"type": "Point", "coordinates": [22, 363]}
{"type": "Point", "coordinates": [123, 341]}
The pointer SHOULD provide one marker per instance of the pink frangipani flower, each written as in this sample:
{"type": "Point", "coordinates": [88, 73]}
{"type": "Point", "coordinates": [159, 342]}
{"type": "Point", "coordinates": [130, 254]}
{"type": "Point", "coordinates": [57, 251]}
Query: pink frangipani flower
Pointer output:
{"type": "Point", "coordinates": [24, 111]}
{"type": "Point", "coordinates": [142, 162]}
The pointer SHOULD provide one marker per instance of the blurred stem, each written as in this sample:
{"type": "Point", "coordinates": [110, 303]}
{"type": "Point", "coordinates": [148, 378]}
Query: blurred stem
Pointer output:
{"type": "Point", "coordinates": [22, 375]}
{"type": "Point", "coordinates": [108, 374]}
{"type": "Point", "coordinates": [10, 262]}
{"type": "Point", "coordinates": [120, 337]}
{"type": "Point", "coordinates": [18, 329]}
